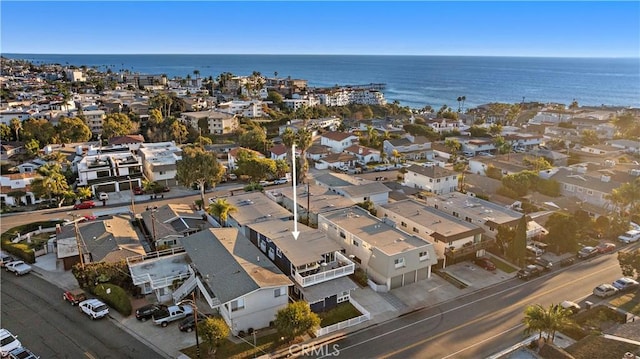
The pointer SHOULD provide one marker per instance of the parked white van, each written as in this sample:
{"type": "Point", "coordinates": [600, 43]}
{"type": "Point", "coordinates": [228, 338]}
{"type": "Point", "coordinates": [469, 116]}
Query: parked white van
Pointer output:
{"type": "Point", "coordinates": [630, 236]}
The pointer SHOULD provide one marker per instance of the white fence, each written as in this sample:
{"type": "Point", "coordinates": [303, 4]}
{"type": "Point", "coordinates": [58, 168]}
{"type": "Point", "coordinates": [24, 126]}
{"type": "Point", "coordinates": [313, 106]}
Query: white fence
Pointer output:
{"type": "Point", "coordinates": [380, 288]}
{"type": "Point", "coordinates": [347, 323]}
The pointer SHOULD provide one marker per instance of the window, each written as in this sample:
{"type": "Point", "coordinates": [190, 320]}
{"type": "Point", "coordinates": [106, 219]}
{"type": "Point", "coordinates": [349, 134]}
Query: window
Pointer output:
{"type": "Point", "coordinates": [416, 230]}
{"type": "Point", "coordinates": [399, 262]}
{"type": "Point", "coordinates": [355, 243]}
{"type": "Point", "coordinates": [430, 180]}
{"type": "Point", "coordinates": [438, 180]}
{"type": "Point", "coordinates": [342, 235]}
{"type": "Point", "coordinates": [278, 292]}
{"type": "Point", "coordinates": [237, 305]}
{"type": "Point", "coordinates": [435, 206]}
{"type": "Point", "coordinates": [589, 192]}
{"type": "Point", "coordinates": [161, 173]}
{"type": "Point", "coordinates": [468, 219]}
{"type": "Point", "coordinates": [403, 224]}
{"type": "Point", "coordinates": [455, 214]}
{"type": "Point", "coordinates": [278, 252]}
{"type": "Point", "coordinates": [424, 256]}
{"type": "Point", "coordinates": [579, 189]}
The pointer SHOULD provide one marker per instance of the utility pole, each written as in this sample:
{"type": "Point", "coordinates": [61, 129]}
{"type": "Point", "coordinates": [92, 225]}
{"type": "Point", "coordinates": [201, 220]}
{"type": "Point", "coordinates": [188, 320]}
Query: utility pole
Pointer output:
{"type": "Point", "coordinates": [78, 238]}
{"type": "Point", "coordinates": [153, 225]}
{"type": "Point", "coordinates": [133, 208]}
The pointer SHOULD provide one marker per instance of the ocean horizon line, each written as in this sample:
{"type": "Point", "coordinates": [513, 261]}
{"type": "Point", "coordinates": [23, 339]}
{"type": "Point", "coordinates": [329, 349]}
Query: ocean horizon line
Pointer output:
{"type": "Point", "coordinates": [316, 55]}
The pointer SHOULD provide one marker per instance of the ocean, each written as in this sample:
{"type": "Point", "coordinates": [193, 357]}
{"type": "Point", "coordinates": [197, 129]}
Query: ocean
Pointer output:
{"type": "Point", "coordinates": [414, 81]}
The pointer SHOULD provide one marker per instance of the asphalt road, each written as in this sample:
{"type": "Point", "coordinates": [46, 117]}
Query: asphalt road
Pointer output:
{"type": "Point", "coordinates": [33, 310]}
{"type": "Point", "coordinates": [481, 323]}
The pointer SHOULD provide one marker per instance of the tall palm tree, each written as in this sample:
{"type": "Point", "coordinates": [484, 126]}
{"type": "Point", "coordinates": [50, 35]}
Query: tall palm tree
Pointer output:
{"type": "Point", "coordinates": [534, 319]}
{"type": "Point", "coordinates": [304, 139]}
{"type": "Point", "coordinates": [16, 125]}
{"type": "Point", "coordinates": [459, 101]}
{"type": "Point", "coordinates": [221, 209]}
{"type": "Point", "coordinates": [550, 320]}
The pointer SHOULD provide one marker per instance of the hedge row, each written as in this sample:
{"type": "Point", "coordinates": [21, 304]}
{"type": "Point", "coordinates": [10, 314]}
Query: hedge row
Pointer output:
{"type": "Point", "coordinates": [22, 250]}
{"type": "Point", "coordinates": [117, 298]}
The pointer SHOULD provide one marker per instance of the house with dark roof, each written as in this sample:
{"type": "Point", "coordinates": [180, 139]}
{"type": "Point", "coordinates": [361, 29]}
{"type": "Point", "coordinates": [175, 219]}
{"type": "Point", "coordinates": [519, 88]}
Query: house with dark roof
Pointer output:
{"type": "Point", "coordinates": [453, 238]}
{"type": "Point", "coordinates": [316, 152]}
{"type": "Point", "coordinates": [131, 141]}
{"type": "Point", "coordinates": [436, 179]}
{"type": "Point", "coordinates": [252, 207]}
{"type": "Point", "coordinates": [316, 264]}
{"type": "Point", "coordinates": [363, 154]}
{"type": "Point", "coordinates": [236, 278]}
{"type": "Point", "coordinates": [336, 160]}
{"type": "Point", "coordinates": [168, 224]}
{"type": "Point", "coordinates": [588, 186]}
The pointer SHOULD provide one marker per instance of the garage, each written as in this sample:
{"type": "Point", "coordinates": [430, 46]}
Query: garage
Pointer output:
{"type": "Point", "coordinates": [111, 187]}
{"type": "Point", "coordinates": [396, 282]}
{"type": "Point", "coordinates": [423, 273]}
{"type": "Point", "coordinates": [409, 278]}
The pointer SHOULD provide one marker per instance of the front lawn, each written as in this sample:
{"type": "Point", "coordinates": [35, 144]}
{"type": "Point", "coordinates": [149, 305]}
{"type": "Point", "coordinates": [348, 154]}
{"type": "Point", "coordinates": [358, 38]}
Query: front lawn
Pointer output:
{"type": "Point", "coordinates": [503, 266]}
{"type": "Point", "coordinates": [265, 344]}
{"type": "Point", "coordinates": [344, 311]}
{"type": "Point", "coordinates": [629, 302]}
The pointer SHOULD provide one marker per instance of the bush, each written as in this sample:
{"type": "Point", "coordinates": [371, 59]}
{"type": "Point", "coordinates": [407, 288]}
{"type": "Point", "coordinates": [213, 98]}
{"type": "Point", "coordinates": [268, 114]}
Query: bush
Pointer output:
{"type": "Point", "coordinates": [507, 192]}
{"type": "Point", "coordinates": [360, 277]}
{"type": "Point", "coordinates": [117, 298]}
{"type": "Point", "coordinates": [23, 250]}
{"type": "Point", "coordinates": [20, 250]}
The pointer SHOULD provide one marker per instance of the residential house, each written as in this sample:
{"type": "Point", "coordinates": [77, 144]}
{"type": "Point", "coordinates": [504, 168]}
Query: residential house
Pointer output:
{"type": "Point", "coordinates": [318, 199]}
{"type": "Point", "coordinates": [252, 207]}
{"type": "Point", "coordinates": [158, 273]}
{"type": "Point", "coordinates": [507, 164]}
{"type": "Point", "coordinates": [523, 140]}
{"type": "Point", "coordinates": [235, 277]}
{"type": "Point", "coordinates": [7, 115]}
{"type": "Point", "coordinates": [315, 263]}
{"type": "Point", "coordinates": [168, 224]}
{"type": "Point", "coordinates": [317, 152]}
{"type": "Point", "coordinates": [454, 239]}
{"type": "Point", "coordinates": [363, 154]}
{"type": "Point", "coordinates": [232, 156]}
{"type": "Point", "coordinates": [392, 258]}
{"type": "Point", "coordinates": [408, 147]}
{"type": "Point", "coordinates": [354, 189]}
{"type": "Point", "coordinates": [601, 150]}
{"type": "Point", "coordinates": [488, 215]}
{"type": "Point", "coordinates": [336, 160]}
{"type": "Point", "coordinates": [10, 149]}
{"type": "Point", "coordinates": [94, 120]}
{"type": "Point", "coordinates": [628, 146]}
{"type": "Point", "coordinates": [109, 169]}
{"type": "Point", "coordinates": [108, 240]}
{"type": "Point", "coordinates": [279, 152]}
{"type": "Point", "coordinates": [589, 187]}
{"type": "Point", "coordinates": [434, 179]}
{"type": "Point", "coordinates": [15, 188]}
{"type": "Point", "coordinates": [250, 109]}
{"type": "Point", "coordinates": [337, 141]}
{"type": "Point", "coordinates": [555, 158]}
{"type": "Point", "coordinates": [218, 122]}
{"type": "Point", "coordinates": [477, 145]}
{"type": "Point", "coordinates": [441, 125]}
{"type": "Point", "coordinates": [159, 162]}
{"type": "Point", "coordinates": [133, 142]}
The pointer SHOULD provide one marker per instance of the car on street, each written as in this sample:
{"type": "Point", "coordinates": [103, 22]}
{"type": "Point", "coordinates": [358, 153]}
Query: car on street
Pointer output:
{"type": "Point", "coordinates": [587, 252]}
{"type": "Point", "coordinates": [604, 290]}
{"type": "Point", "coordinates": [545, 264]}
{"type": "Point", "coordinates": [625, 284]}
{"type": "Point", "coordinates": [485, 263]}
{"type": "Point", "coordinates": [172, 313]}
{"type": "Point", "coordinates": [530, 271]}
{"type": "Point", "coordinates": [146, 312]}
{"type": "Point", "coordinates": [606, 247]}
{"type": "Point", "coordinates": [8, 342]}
{"type": "Point", "coordinates": [188, 324]}
{"type": "Point", "coordinates": [572, 306]}
{"type": "Point", "coordinates": [18, 267]}
{"type": "Point", "coordinates": [265, 183]}
{"type": "Point", "coordinates": [84, 205]}
{"type": "Point", "coordinates": [94, 308]}
{"type": "Point", "coordinates": [281, 181]}
{"type": "Point", "coordinates": [5, 259]}
{"type": "Point", "coordinates": [103, 196]}
{"type": "Point", "coordinates": [630, 236]}
{"type": "Point", "coordinates": [22, 353]}
{"type": "Point", "coordinates": [138, 191]}
{"type": "Point", "coordinates": [74, 296]}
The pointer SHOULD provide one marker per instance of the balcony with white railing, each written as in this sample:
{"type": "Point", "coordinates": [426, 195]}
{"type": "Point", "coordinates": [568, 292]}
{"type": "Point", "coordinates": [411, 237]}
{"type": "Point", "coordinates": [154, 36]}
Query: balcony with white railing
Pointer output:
{"type": "Point", "coordinates": [322, 272]}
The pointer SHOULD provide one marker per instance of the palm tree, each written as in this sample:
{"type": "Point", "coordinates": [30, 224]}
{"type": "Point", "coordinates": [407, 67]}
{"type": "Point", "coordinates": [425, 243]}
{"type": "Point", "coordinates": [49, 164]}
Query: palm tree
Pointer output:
{"type": "Point", "coordinates": [84, 192]}
{"type": "Point", "coordinates": [304, 139]}
{"type": "Point", "coordinates": [534, 320]}
{"type": "Point", "coordinates": [221, 209]}
{"type": "Point", "coordinates": [551, 320]}
{"type": "Point", "coordinates": [396, 154]}
{"type": "Point", "coordinates": [459, 100]}
{"type": "Point", "coordinates": [464, 98]}
{"type": "Point", "coordinates": [197, 73]}
{"type": "Point", "coordinates": [16, 125]}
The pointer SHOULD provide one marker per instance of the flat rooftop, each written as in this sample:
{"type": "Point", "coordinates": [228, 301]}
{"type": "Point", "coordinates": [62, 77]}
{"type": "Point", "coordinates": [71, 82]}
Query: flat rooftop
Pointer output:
{"type": "Point", "coordinates": [254, 207]}
{"type": "Point", "coordinates": [475, 208]}
{"type": "Point", "coordinates": [445, 227]}
{"type": "Point", "coordinates": [320, 199]}
{"type": "Point", "coordinates": [374, 231]}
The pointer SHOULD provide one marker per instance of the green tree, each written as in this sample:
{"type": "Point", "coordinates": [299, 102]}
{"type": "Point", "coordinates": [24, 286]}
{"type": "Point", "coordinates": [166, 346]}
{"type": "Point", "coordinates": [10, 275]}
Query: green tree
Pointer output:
{"type": "Point", "coordinates": [32, 147]}
{"type": "Point", "coordinates": [296, 319]}
{"type": "Point", "coordinates": [629, 263]}
{"type": "Point", "coordinates": [563, 230]}
{"type": "Point", "coordinates": [155, 117]}
{"type": "Point", "coordinates": [116, 124]}
{"type": "Point", "coordinates": [72, 130]}
{"type": "Point", "coordinates": [477, 131]}
{"type": "Point", "coordinates": [517, 250]}
{"type": "Point", "coordinates": [495, 129]}
{"type": "Point", "coordinates": [17, 196]}
{"type": "Point", "coordinates": [213, 331]}
{"type": "Point", "coordinates": [454, 148]}
{"type": "Point", "coordinates": [548, 321]}
{"type": "Point", "coordinates": [200, 167]}
{"type": "Point", "coordinates": [536, 164]}
{"type": "Point", "coordinates": [255, 139]}
{"type": "Point", "coordinates": [5, 132]}
{"type": "Point", "coordinates": [178, 131]}
{"type": "Point", "coordinates": [39, 129]}
{"type": "Point", "coordinates": [626, 198]}
{"type": "Point", "coordinates": [589, 137]}
{"type": "Point", "coordinates": [304, 139]}
{"type": "Point", "coordinates": [221, 209]}
{"type": "Point", "coordinates": [52, 184]}
{"type": "Point", "coordinates": [16, 125]}
{"type": "Point", "coordinates": [83, 192]}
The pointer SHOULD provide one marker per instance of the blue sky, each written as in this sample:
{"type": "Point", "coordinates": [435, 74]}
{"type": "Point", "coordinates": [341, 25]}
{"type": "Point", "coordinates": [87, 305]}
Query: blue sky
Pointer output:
{"type": "Point", "coordinates": [543, 28]}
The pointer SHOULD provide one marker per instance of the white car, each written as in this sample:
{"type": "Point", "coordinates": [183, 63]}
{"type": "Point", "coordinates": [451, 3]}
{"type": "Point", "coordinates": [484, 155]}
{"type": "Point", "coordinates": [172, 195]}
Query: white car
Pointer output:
{"type": "Point", "coordinates": [281, 181]}
{"type": "Point", "coordinates": [103, 196]}
{"type": "Point", "coordinates": [630, 236]}
{"type": "Point", "coordinates": [625, 284]}
{"type": "Point", "coordinates": [8, 342]}
{"type": "Point", "coordinates": [18, 267]}
{"type": "Point", "coordinates": [604, 290]}
{"type": "Point", "coordinates": [94, 308]}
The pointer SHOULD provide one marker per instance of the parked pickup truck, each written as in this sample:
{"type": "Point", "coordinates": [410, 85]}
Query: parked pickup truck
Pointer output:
{"type": "Point", "coordinates": [18, 267]}
{"type": "Point", "coordinates": [172, 313]}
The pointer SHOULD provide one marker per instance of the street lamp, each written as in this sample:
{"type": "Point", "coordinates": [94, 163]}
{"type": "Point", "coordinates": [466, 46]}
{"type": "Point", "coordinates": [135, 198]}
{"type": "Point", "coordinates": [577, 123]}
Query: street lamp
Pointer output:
{"type": "Point", "coordinates": [192, 303]}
